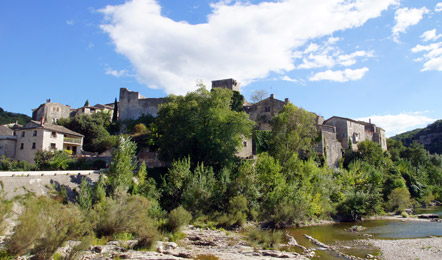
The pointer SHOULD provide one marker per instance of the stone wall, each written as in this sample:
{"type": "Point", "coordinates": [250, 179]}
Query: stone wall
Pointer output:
{"type": "Point", "coordinates": [7, 146]}
{"type": "Point", "coordinates": [132, 105]}
{"type": "Point", "coordinates": [329, 146]}
{"type": "Point", "coordinates": [40, 182]}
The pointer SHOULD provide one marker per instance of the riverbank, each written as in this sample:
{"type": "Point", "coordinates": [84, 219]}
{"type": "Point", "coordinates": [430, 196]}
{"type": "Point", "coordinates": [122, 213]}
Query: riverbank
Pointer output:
{"type": "Point", "coordinates": [198, 244]}
{"type": "Point", "coordinates": [408, 249]}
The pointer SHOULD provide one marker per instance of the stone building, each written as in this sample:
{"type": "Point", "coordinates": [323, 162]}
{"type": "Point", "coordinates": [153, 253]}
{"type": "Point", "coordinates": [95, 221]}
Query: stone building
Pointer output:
{"type": "Point", "coordinates": [37, 136]}
{"type": "Point", "coordinates": [350, 132]}
{"type": "Point", "coordinates": [132, 105]}
{"type": "Point", "coordinates": [226, 83]}
{"type": "Point", "coordinates": [89, 110]}
{"type": "Point", "coordinates": [51, 112]}
{"type": "Point", "coordinates": [263, 111]}
{"type": "Point", "coordinates": [7, 142]}
{"type": "Point", "coordinates": [328, 146]}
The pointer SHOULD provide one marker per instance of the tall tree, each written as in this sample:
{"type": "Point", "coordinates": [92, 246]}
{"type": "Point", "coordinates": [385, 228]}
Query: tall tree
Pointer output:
{"type": "Point", "coordinates": [201, 125]}
{"type": "Point", "coordinates": [123, 164]}
{"type": "Point", "coordinates": [115, 114]}
{"type": "Point", "coordinates": [293, 129]}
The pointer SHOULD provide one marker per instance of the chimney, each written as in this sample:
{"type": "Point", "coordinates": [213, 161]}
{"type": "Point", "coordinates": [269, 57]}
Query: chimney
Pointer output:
{"type": "Point", "coordinates": [369, 121]}
{"type": "Point", "coordinates": [272, 96]}
{"type": "Point", "coordinates": [286, 100]}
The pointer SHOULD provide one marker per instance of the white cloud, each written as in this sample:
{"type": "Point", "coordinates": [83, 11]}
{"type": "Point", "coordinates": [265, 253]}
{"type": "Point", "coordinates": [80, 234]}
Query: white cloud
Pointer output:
{"type": "Point", "coordinates": [430, 35]}
{"type": "Point", "coordinates": [69, 22]}
{"type": "Point", "coordinates": [287, 78]}
{"type": "Point", "coordinates": [116, 73]}
{"type": "Point", "coordinates": [438, 7]}
{"type": "Point", "coordinates": [396, 124]}
{"type": "Point", "coordinates": [405, 18]}
{"type": "Point", "coordinates": [240, 40]}
{"type": "Point", "coordinates": [327, 55]}
{"type": "Point", "coordinates": [340, 75]}
{"type": "Point", "coordinates": [432, 57]}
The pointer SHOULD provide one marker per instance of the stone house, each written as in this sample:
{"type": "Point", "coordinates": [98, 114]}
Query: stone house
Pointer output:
{"type": "Point", "coordinates": [350, 132]}
{"type": "Point", "coordinates": [263, 111]}
{"type": "Point", "coordinates": [37, 136]}
{"type": "Point", "coordinates": [51, 112]}
{"type": "Point", "coordinates": [7, 142]}
{"type": "Point", "coordinates": [132, 105]}
{"type": "Point", "coordinates": [89, 110]}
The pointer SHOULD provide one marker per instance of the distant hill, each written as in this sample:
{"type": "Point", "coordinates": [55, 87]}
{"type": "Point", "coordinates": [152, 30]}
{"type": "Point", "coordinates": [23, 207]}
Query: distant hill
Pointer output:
{"type": "Point", "coordinates": [430, 137]}
{"type": "Point", "coordinates": [9, 117]}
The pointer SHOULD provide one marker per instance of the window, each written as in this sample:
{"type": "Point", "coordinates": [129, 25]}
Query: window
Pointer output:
{"type": "Point", "coordinates": [54, 134]}
{"type": "Point", "coordinates": [245, 144]}
{"type": "Point", "coordinates": [35, 133]}
{"type": "Point", "coordinates": [33, 145]}
{"type": "Point", "coordinates": [267, 109]}
{"type": "Point", "coordinates": [23, 134]}
{"type": "Point", "coordinates": [22, 145]}
{"type": "Point", "coordinates": [53, 146]}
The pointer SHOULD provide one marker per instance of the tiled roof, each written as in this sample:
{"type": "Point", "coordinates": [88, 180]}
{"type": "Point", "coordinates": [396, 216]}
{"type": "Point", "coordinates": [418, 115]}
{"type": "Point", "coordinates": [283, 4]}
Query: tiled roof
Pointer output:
{"type": "Point", "coordinates": [57, 128]}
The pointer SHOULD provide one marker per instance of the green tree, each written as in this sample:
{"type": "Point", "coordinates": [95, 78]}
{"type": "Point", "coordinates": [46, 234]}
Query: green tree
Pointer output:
{"type": "Point", "coordinates": [370, 152]}
{"type": "Point", "coordinates": [86, 104]}
{"type": "Point", "coordinates": [123, 164]}
{"type": "Point", "coordinates": [94, 128]}
{"type": "Point", "coordinates": [293, 130]}
{"type": "Point", "coordinates": [115, 114]}
{"type": "Point", "coordinates": [399, 199]}
{"type": "Point", "coordinates": [85, 195]}
{"type": "Point", "coordinates": [201, 125]}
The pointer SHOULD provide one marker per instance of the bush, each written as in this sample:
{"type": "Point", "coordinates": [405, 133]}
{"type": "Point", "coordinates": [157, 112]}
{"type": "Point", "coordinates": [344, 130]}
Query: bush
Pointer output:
{"type": "Point", "coordinates": [237, 213]}
{"type": "Point", "coordinates": [44, 226]}
{"type": "Point", "coordinates": [265, 238]}
{"type": "Point", "coordinates": [177, 218]}
{"type": "Point", "coordinates": [399, 199]}
{"type": "Point", "coordinates": [140, 129]}
{"type": "Point", "coordinates": [126, 214]}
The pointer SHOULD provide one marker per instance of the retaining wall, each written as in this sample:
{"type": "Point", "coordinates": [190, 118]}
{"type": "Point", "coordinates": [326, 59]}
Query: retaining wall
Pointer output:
{"type": "Point", "coordinates": [41, 182]}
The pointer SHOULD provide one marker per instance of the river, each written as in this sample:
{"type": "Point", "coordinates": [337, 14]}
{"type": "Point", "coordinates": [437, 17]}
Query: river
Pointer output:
{"type": "Point", "coordinates": [349, 242]}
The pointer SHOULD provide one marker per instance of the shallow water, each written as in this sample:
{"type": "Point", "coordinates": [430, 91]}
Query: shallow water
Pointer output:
{"type": "Point", "coordinates": [336, 235]}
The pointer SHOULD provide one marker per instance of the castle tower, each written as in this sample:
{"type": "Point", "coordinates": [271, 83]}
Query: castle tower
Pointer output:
{"type": "Point", "coordinates": [226, 83]}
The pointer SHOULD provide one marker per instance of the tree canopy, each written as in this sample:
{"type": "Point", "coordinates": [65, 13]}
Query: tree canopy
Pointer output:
{"type": "Point", "coordinates": [201, 125]}
{"type": "Point", "coordinates": [293, 130]}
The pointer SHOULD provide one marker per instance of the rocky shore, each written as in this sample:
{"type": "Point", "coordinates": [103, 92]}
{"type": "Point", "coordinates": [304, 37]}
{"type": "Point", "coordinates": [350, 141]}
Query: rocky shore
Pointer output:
{"type": "Point", "coordinates": [409, 249]}
{"type": "Point", "coordinates": [212, 244]}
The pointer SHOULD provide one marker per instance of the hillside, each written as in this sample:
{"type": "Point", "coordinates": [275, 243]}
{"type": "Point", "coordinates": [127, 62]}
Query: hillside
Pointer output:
{"type": "Point", "coordinates": [430, 137]}
{"type": "Point", "coordinates": [9, 117]}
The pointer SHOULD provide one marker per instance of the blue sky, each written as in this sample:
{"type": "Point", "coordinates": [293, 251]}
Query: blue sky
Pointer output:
{"type": "Point", "coordinates": [378, 59]}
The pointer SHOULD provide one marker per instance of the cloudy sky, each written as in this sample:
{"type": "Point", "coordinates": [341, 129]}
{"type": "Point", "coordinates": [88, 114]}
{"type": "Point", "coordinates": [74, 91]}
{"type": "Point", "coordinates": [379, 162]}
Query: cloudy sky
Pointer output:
{"type": "Point", "coordinates": [378, 59]}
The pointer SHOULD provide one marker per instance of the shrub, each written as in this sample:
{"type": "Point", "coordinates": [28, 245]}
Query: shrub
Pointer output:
{"type": "Point", "coordinates": [44, 226]}
{"type": "Point", "coordinates": [140, 128]}
{"type": "Point", "coordinates": [177, 218]}
{"type": "Point", "coordinates": [404, 214]}
{"type": "Point", "coordinates": [399, 199]}
{"type": "Point", "coordinates": [126, 214]}
{"type": "Point", "coordinates": [265, 238]}
{"type": "Point", "coordinates": [237, 213]}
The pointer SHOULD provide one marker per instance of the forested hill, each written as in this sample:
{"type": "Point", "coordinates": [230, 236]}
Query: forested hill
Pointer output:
{"type": "Point", "coordinates": [9, 117]}
{"type": "Point", "coordinates": [430, 137]}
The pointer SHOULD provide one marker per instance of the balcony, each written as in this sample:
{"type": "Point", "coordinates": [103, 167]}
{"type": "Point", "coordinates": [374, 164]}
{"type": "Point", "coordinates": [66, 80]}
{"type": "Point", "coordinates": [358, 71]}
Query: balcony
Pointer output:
{"type": "Point", "coordinates": [72, 140]}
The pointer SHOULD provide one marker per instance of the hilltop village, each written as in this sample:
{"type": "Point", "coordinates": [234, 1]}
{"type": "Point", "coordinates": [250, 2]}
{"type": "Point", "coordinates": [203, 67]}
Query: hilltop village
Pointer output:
{"type": "Point", "coordinates": [42, 133]}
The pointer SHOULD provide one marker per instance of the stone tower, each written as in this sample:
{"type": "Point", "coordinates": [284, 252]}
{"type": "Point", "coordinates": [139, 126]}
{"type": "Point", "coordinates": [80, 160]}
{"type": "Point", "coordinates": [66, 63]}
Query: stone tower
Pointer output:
{"type": "Point", "coordinates": [226, 83]}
